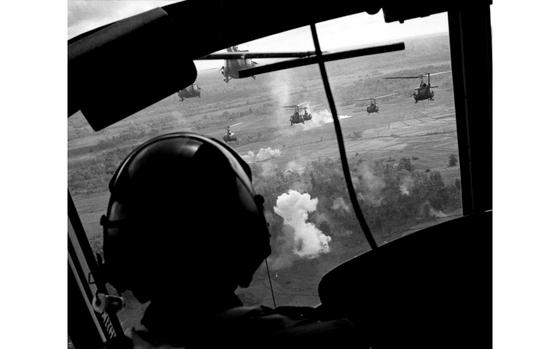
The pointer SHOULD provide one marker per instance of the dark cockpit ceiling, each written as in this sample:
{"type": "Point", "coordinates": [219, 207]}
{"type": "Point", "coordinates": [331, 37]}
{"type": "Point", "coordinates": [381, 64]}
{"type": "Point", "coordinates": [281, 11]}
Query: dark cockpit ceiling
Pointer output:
{"type": "Point", "coordinates": [225, 23]}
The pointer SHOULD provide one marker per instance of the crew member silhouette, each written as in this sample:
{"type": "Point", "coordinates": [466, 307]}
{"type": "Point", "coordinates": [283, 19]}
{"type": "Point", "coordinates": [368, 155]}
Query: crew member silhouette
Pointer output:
{"type": "Point", "coordinates": [184, 228]}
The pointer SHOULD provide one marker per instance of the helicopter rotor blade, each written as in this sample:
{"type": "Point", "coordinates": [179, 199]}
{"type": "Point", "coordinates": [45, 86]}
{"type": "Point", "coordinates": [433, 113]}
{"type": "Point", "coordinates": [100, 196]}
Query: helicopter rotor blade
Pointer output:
{"type": "Point", "coordinates": [301, 106]}
{"type": "Point", "coordinates": [245, 54]}
{"type": "Point", "coordinates": [441, 72]}
{"type": "Point", "coordinates": [404, 77]}
{"type": "Point", "coordinates": [389, 95]}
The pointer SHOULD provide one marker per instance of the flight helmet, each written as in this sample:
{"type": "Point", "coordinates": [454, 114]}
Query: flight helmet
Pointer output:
{"type": "Point", "coordinates": [182, 210]}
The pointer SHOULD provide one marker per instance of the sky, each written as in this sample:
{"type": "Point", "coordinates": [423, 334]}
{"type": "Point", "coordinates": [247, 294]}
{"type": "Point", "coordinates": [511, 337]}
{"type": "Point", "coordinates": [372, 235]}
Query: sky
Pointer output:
{"type": "Point", "coordinates": [84, 15]}
{"type": "Point", "coordinates": [345, 32]}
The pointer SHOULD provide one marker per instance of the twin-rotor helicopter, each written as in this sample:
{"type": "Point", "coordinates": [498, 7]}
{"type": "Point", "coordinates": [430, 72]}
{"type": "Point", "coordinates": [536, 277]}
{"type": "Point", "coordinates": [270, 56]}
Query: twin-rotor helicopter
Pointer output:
{"type": "Point", "coordinates": [300, 115]}
{"type": "Point", "coordinates": [424, 91]}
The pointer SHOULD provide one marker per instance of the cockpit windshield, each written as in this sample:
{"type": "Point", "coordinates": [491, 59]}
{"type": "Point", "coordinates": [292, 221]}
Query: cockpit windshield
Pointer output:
{"type": "Point", "coordinates": [401, 145]}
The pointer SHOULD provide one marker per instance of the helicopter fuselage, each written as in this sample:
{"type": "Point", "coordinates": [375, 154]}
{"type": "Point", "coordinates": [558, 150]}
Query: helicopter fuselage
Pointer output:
{"type": "Point", "coordinates": [296, 118]}
{"type": "Point", "coordinates": [229, 136]}
{"type": "Point", "coordinates": [231, 67]}
{"type": "Point", "coordinates": [372, 108]}
{"type": "Point", "coordinates": [422, 93]}
{"type": "Point", "coordinates": [299, 118]}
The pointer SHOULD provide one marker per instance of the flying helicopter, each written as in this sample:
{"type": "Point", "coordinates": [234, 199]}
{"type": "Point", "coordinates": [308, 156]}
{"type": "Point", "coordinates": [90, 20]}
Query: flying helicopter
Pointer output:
{"type": "Point", "coordinates": [300, 115]}
{"type": "Point", "coordinates": [189, 92]}
{"type": "Point", "coordinates": [424, 90]}
{"type": "Point", "coordinates": [236, 60]}
{"type": "Point", "coordinates": [373, 107]}
{"type": "Point", "coordinates": [230, 136]}
{"type": "Point", "coordinates": [231, 66]}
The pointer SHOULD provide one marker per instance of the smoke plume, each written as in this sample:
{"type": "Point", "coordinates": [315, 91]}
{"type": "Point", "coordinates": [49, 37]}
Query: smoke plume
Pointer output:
{"type": "Point", "coordinates": [268, 169]}
{"type": "Point", "coordinates": [406, 185]}
{"type": "Point", "coordinates": [262, 155]}
{"type": "Point", "coordinates": [368, 185]}
{"type": "Point", "coordinates": [300, 237]}
{"type": "Point", "coordinates": [437, 213]}
{"type": "Point", "coordinates": [281, 86]}
{"type": "Point", "coordinates": [366, 181]}
{"type": "Point", "coordinates": [295, 166]}
{"type": "Point", "coordinates": [320, 118]}
{"type": "Point", "coordinates": [340, 204]}
{"type": "Point", "coordinates": [429, 211]}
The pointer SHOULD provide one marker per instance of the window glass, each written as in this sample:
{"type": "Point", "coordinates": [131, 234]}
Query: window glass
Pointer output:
{"type": "Point", "coordinates": [400, 134]}
{"type": "Point", "coordinates": [280, 123]}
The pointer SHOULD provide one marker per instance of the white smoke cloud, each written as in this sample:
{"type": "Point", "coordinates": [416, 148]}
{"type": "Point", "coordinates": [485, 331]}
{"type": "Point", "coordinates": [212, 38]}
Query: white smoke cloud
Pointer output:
{"type": "Point", "coordinates": [429, 211]}
{"type": "Point", "coordinates": [320, 118]}
{"type": "Point", "coordinates": [340, 204]}
{"type": "Point", "coordinates": [262, 155]}
{"type": "Point", "coordinates": [406, 185]}
{"type": "Point", "coordinates": [437, 213]}
{"type": "Point", "coordinates": [340, 117]}
{"type": "Point", "coordinates": [284, 253]}
{"type": "Point", "coordinates": [365, 179]}
{"type": "Point", "coordinates": [304, 238]}
{"type": "Point", "coordinates": [368, 185]}
{"type": "Point", "coordinates": [281, 86]}
{"type": "Point", "coordinates": [295, 166]}
{"type": "Point", "coordinates": [268, 168]}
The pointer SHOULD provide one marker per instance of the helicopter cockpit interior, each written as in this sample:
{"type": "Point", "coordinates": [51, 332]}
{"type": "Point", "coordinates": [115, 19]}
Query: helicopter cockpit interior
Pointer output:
{"type": "Point", "coordinates": [385, 220]}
